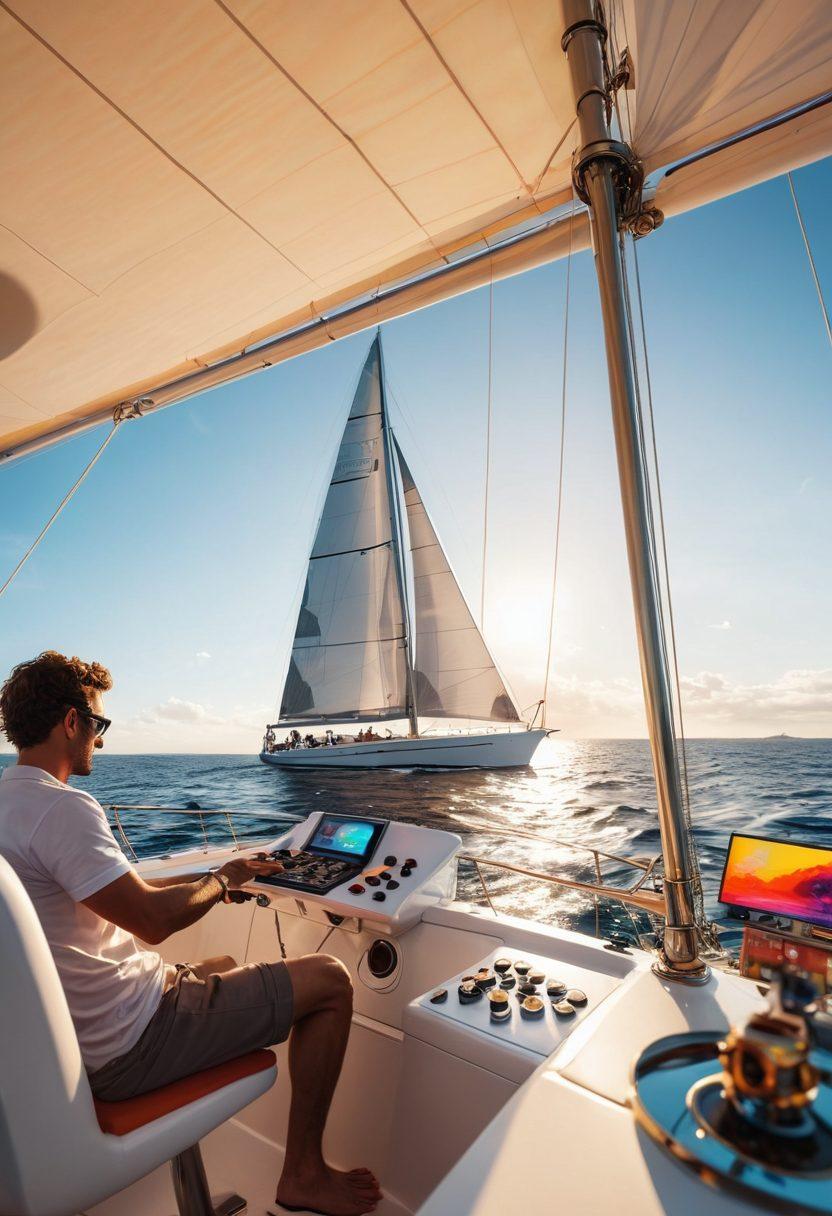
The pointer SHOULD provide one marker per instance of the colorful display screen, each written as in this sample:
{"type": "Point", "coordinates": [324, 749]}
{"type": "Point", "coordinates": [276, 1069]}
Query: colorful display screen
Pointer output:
{"type": "Point", "coordinates": [348, 837]}
{"type": "Point", "coordinates": [785, 879]}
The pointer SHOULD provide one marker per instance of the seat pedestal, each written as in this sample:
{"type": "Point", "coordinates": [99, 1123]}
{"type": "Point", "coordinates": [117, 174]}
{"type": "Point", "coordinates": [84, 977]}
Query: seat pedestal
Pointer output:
{"type": "Point", "coordinates": [191, 1188]}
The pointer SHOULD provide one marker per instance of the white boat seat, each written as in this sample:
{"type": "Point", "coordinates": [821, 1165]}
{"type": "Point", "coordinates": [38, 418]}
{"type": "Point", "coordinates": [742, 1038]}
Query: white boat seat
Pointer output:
{"type": "Point", "coordinates": [60, 1151]}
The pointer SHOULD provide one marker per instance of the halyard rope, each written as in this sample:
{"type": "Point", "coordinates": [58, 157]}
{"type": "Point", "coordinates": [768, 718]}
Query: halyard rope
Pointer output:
{"type": "Point", "coordinates": [24, 559]}
{"type": "Point", "coordinates": [812, 266]}
{"type": "Point", "coordinates": [560, 465]}
{"type": "Point", "coordinates": [487, 445]}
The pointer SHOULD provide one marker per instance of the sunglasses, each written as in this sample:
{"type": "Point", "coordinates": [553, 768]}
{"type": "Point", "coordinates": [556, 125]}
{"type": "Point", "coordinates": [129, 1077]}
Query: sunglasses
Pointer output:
{"type": "Point", "coordinates": [101, 724]}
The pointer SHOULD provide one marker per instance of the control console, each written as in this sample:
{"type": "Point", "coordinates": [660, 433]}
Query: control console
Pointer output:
{"type": "Point", "coordinates": [525, 1004]}
{"type": "Point", "coordinates": [375, 869]}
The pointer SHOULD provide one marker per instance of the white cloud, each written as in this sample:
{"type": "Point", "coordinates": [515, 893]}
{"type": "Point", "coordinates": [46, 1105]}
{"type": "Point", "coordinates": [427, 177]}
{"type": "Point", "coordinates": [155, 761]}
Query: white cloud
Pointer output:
{"type": "Point", "coordinates": [202, 656]}
{"type": "Point", "coordinates": [798, 702]}
{"type": "Point", "coordinates": [722, 625]}
{"type": "Point", "coordinates": [177, 725]}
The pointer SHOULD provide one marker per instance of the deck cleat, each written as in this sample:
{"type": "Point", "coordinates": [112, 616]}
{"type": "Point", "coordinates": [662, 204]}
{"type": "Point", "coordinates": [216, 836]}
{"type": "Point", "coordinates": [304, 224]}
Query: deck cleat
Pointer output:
{"type": "Point", "coordinates": [532, 1007]}
{"type": "Point", "coordinates": [502, 965]}
{"type": "Point", "coordinates": [469, 992]}
{"type": "Point", "coordinates": [522, 968]}
{"type": "Point", "coordinates": [499, 1005]}
{"type": "Point", "coordinates": [555, 989]}
{"type": "Point", "coordinates": [577, 996]}
{"type": "Point", "coordinates": [439, 997]}
{"type": "Point", "coordinates": [564, 1009]}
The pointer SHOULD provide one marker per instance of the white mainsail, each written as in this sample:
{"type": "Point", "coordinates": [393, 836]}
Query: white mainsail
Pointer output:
{"type": "Point", "coordinates": [454, 674]}
{"type": "Point", "coordinates": [352, 658]}
{"type": "Point", "coordinates": [348, 657]}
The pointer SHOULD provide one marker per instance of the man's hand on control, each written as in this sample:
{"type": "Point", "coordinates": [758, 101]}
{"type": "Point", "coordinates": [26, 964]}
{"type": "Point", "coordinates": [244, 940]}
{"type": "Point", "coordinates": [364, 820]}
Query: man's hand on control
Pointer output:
{"type": "Point", "coordinates": [242, 870]}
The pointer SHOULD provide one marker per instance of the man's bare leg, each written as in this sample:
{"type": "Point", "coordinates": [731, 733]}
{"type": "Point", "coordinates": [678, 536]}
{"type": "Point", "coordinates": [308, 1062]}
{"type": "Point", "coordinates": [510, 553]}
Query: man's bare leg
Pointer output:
{"type": "Point", "coordinates": [322, 994]}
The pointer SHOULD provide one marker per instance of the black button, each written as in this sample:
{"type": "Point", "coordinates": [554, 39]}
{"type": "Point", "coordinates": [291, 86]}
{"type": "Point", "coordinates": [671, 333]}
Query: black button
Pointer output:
{"type": "Point", "coordinates": [379, 895]}
{"type": "Point", "coordinates": [410, 862]}
{"type": "Point", "coordinates": [372, 881]}
{"type": "Point", "coordinates": [390, 860]}
{"type": "Point", "coordinates": [392, 885]}
{"type": "Point", "coordinates": [406, 871]}
{"type": "Point", "coordinates": [385, 875]}
{"type": "Point", "coordinates": [356, 889]}
{"type": "Point", "coordinates": [440, 996]}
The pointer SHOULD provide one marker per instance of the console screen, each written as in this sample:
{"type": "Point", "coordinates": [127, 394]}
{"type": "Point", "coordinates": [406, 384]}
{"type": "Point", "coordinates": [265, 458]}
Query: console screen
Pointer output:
{"type": "Point", "coordinates": [775, 876]}
{"type": "Point", "coordinates": [346, 837]}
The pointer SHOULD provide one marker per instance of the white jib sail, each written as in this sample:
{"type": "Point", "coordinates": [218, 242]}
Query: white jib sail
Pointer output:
{"type": "Point", "coordinates": [348, 657]}
{"type": "Point", "coordinates": [454, 675]}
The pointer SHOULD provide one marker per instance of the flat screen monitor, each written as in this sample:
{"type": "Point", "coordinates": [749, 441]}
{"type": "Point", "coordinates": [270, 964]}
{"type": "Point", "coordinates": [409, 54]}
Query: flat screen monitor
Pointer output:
{"type": "Point", "coordinates": [346, 836]}
{"type": "Point", "coordinates": [779, 877]}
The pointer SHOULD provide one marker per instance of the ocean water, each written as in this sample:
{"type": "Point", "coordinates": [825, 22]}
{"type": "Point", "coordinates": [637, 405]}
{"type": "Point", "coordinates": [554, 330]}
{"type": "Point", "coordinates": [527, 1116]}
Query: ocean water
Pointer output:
{"type": "Point", "coordinates": [596, 793]}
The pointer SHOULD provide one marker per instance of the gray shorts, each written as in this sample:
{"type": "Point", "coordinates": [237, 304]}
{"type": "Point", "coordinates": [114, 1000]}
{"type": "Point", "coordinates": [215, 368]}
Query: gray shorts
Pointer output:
{"type": "Point", "coordinates": [202, 1021]}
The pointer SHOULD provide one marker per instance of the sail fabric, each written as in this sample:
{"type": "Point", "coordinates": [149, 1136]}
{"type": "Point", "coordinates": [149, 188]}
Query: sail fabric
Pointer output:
{"type": "Point", "coordinates": [454, 675]}
{"type": "Point", "coordinates": [372, 142]}
{"type": "Point", "coordinates": [348, 657]}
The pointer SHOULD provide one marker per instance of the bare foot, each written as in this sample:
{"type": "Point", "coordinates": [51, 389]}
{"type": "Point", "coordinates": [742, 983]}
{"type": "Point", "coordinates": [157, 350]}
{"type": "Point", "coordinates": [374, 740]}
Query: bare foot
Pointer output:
{"type": "Point", "coordinates": [330, 1192]}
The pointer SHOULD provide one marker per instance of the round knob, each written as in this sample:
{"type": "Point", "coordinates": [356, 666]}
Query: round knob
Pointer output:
{"type": "Point", "coordinates": [390, 860]}
{"type": "Point", "coordinates": [379, 895]}
{"type": "Point", "coordinates": [392, 885]}
{"type": "Point", "coordinates": [372, 881]}
{"type": "Point", "coordinates": [382, 957]}
{"type": "Point", "coordinates": [385, 875]}
{"type": "Point", "coordinates": [536, 978]}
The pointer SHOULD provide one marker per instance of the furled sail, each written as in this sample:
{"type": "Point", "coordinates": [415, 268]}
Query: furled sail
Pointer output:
{"type": "Point", "coordinates": [348, 657]}
{"type": "Point", "coordinates": [454, 675]}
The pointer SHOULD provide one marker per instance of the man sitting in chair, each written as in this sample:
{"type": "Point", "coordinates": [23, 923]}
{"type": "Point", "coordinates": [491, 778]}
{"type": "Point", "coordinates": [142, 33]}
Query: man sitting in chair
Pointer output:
{"type": "Point", "coordinates": [143, 1023]}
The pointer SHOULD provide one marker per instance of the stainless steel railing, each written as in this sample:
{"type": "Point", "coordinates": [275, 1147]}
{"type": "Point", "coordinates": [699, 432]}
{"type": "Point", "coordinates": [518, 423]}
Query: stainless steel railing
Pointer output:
{"type": "Point", "coordinates": [634, 895]}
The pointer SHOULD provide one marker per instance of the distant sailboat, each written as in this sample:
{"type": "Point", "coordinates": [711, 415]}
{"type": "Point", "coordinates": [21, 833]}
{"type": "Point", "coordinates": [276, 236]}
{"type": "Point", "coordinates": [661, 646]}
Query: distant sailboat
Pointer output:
{"type": "Point", "coordinates": [384, 631]}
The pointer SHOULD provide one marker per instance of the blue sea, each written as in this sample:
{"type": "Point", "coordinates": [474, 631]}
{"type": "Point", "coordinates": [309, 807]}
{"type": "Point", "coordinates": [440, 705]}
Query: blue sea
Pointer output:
{"type": "Point", "coordinates": [582, 792]}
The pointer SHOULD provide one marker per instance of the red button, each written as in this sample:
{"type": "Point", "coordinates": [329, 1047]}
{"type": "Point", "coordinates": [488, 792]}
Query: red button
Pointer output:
{"type": "Point", "coordinates": [356, 889]}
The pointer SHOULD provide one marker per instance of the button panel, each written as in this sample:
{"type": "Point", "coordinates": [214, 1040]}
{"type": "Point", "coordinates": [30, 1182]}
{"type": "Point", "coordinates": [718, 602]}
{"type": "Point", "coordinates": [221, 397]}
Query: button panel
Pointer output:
{"type": "Point", "coordinates": [529, 1002]}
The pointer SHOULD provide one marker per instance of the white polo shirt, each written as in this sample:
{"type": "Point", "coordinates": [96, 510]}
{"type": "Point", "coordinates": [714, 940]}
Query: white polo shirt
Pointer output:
{"type": "Point", "coordinates": [58, 841]}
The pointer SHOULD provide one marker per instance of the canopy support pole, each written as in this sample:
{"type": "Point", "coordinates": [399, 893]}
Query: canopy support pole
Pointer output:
{"type": "Point", "coordinates": [607, 173]}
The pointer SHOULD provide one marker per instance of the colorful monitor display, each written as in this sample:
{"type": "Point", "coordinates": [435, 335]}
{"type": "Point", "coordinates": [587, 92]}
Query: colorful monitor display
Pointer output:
{"type": "Point", "coordinates": [350, 837]}
{"type": "Point", "coordinates": [776, 876]}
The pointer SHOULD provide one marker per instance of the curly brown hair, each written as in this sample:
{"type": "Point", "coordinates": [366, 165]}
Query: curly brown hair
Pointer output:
{"type": "Point", "coordinates": [38, 693]}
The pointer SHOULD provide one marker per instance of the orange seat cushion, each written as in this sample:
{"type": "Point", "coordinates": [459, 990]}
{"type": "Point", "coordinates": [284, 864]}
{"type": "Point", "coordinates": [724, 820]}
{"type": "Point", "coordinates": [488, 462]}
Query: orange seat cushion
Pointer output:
{"type": "Point", "coordinates": [119, 1118]}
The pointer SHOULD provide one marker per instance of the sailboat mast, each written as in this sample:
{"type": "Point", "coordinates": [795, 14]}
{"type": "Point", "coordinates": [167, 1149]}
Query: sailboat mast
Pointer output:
{"type": "Point", "coordinates": [398, 546]}
{"type": "Point", "coordinates": [606, 173]}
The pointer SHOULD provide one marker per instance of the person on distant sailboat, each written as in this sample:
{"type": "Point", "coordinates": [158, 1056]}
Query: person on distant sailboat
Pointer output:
{"type": "Point", "coordinates": [142, 1022]}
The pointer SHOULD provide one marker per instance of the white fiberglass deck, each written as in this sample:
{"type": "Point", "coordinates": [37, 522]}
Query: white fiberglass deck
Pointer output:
{"type": "Point", "coordinates": [454, 1116]}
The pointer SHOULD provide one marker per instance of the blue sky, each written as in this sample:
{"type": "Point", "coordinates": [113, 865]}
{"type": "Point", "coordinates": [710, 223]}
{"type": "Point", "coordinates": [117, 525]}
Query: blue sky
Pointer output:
{"type": "Point", "coordinates": [180, 562]}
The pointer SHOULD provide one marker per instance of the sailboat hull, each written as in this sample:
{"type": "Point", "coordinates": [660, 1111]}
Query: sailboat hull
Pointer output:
{"type": "Point", "coordinates": [487, 750]}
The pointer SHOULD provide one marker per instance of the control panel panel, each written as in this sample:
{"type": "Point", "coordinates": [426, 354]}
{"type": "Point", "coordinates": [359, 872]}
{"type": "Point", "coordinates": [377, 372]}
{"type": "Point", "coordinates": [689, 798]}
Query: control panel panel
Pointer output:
{"type": "Point", "coordinates": [375, 869]}
{"type": "Point", "coordinates": [529, 1003]}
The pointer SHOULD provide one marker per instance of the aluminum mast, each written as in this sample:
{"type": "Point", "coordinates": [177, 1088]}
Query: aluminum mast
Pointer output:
{"type": "Point", "coordinates": [608, 176]}
{"type": "Point", "coordinates": [398, 546]}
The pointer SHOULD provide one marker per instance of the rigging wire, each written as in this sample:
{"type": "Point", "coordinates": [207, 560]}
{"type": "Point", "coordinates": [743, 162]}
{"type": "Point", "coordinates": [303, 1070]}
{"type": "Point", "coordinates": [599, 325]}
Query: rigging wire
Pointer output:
{"type": "Point", "coordinates": [809, 255]}
{"type": "Point", "coordinates": [66, 498]}
{"type": "Point", "coordinates": [560, 467]}
{"type": "Point", "coordinates": [487, 444]}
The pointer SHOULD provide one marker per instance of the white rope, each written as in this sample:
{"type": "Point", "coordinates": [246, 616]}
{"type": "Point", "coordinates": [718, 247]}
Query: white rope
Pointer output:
{"type": "Point", "coordinates": [812, 266]}
{"type": "Point", "coordinates": [487, 445]}
{"type": "Point", "coordinates": [24, 559]}
{"type": "Point", "coordinates": [560, 468]}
